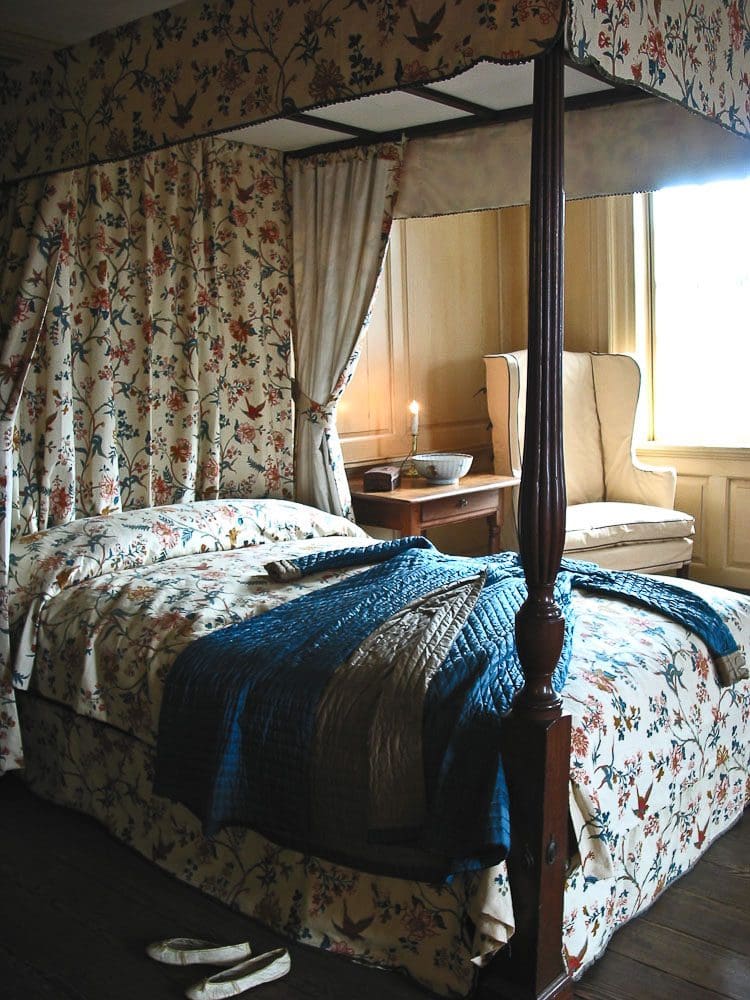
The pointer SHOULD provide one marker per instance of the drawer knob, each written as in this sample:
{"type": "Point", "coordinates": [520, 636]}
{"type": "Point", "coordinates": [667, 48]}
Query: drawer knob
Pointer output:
{"type": "Point", "coordinates": [462, 502]}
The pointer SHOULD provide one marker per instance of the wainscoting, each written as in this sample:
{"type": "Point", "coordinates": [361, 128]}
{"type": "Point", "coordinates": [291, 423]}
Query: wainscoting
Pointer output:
{"type": "Point", "coordinates": [713, 484]}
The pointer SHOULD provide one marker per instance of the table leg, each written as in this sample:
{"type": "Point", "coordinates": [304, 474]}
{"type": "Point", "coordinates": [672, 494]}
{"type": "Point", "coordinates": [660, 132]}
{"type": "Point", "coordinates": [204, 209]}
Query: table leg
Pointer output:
{"type": "Point", "coordinates": [494, 523]}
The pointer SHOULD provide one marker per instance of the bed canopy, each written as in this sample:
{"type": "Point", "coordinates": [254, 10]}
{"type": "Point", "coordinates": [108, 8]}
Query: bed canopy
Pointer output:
{"type": "Point", "coordinates": [202, 69]}
{"type": "Point", "coordinates": [198, 68]}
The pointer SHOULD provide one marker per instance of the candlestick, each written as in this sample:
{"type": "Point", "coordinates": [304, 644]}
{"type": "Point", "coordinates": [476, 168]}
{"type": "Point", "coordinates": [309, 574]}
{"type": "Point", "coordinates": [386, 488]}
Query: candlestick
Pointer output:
{"type": "Point", "coordinates": [407, 466]}
{"type": "Point", "coordinates": [414, 410]}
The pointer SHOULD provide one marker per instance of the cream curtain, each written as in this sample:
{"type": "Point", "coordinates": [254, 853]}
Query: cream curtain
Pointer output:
{"type": "Point", "coordinates": [29, 255]}
{"type": "Point", "coordinates": [619, 149]}
{"type": "Point", "coordinates": [342, 207]}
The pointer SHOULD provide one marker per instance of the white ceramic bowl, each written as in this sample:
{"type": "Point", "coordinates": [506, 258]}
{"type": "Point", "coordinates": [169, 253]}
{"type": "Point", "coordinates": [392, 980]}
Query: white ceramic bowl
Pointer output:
{"type": "Point", "coordinates": [442, 467]}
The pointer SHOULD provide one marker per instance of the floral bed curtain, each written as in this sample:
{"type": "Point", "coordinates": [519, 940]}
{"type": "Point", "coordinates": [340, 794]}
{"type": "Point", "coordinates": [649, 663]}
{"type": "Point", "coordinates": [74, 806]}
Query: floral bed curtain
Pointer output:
{"type": "Point", "coordinates": [29, 251]}
{"type": "Point", "coordinates": [162, 371]}
{"type": "Point", "coordinates": [342, 209]}
{"type": "Point", "coordinates": [146, 344]}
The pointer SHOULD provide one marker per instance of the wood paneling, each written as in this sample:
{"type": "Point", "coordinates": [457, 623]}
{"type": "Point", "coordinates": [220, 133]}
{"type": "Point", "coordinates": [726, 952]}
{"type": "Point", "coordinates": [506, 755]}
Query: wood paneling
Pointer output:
{"type": "Point", "coordinates": [691, 496]}
{"type": "Point", "coordinates": [713, 484]}
{"type": "Point", "coordinates": [434, 318]}
{"type": "Point", "coordinates": [738, 554]}
{"type": "Point", "coordinates": [372, 416]}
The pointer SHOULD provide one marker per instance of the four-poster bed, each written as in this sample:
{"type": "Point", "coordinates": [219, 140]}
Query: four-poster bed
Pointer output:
{"type": "Point", "coordinates": [537, 736]}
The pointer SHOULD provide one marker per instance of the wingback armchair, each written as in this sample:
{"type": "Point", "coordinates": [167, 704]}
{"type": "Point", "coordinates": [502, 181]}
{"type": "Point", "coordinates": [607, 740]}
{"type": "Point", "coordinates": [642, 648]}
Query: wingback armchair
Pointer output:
{"type": "Point", "coordinates": [620, 513]}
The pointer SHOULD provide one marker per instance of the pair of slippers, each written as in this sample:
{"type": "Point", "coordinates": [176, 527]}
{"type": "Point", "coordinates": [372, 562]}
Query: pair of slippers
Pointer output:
{"type": "Point", "coordinates": [245, 969]}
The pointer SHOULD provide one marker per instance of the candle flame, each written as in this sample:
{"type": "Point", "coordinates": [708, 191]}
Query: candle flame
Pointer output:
{"type": "Point", "coordinates": [414, 407]}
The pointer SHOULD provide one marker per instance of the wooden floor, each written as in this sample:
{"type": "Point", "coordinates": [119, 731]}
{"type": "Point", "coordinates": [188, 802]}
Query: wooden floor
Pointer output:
{"type": "Point", "coordinates": [77, 908]}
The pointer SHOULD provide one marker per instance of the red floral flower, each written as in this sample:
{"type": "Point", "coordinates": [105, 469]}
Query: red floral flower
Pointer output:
{"type": "Point", "coordinates": [265, 184]}
{"type": "Point", "coordinates": [420, 922]}
{"type": "Point", "coordinates": [231, 74]}
{"type": "Point", "coordinates": [655, 47]}
{"type": "Point", "coordinates": [342, 948]}
{"type": "Point", "coordinates": [245, 433]}
{"type": "Point", "coordinates": [180, 450]}
{"type": "Point", "coordinates": [160, 260]}
{"type": "Point", "coordinates": [175, 400]}
{"type": "Point", "coordinates": [579, 742]}
{"type": "Point", "coordinates": [415, 71]}
{"type": "Point", "coordinates": [328, 81]}
{"type": "Point", "coordinates": [59, 503]}
{"type": "Point", "coordinates": [22, 310]}
{"type": "Point", "coordinates": [269, 233]}
{"type": "Point", "coordinates": [239, 329]}
{"type": "Point", "coordinates": [100, 299]}
{"type": "Point", "coordinates": [736, 29]}
{"type": "Point", "coordinates": [148, 206]}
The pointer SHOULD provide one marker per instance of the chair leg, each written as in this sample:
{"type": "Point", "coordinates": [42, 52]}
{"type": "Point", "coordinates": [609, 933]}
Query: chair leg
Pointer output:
{"type": "Point", "coordinates": [684, 571]}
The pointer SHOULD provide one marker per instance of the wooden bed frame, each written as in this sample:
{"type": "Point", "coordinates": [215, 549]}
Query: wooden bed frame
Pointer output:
{"type": "Point", "coordinates": [536, 736]}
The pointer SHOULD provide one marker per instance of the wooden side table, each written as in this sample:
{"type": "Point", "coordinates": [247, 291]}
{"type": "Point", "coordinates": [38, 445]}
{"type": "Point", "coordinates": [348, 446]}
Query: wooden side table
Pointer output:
{"type": "Point", "coordinates": [417, 505]}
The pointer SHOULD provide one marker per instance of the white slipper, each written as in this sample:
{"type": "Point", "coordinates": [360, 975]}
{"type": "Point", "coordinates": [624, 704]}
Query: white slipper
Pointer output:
{"type": "Point", "coordinates": [189, 951]}
{"type": "Point", "coordinates": [256, 971]}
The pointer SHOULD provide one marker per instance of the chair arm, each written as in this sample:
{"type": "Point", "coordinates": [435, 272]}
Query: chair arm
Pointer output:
{"type": "Point", "coordinates": [647, 484]}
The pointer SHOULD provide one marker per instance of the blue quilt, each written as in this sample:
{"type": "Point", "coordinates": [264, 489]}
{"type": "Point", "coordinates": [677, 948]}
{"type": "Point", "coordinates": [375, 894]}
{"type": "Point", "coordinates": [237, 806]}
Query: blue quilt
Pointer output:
{"type": "Point", "coordinates": [239, 708]}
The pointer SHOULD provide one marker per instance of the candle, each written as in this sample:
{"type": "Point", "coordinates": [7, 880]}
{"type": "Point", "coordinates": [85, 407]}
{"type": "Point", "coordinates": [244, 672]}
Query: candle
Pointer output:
{"type": "Point", "coordinates": [414, 410]}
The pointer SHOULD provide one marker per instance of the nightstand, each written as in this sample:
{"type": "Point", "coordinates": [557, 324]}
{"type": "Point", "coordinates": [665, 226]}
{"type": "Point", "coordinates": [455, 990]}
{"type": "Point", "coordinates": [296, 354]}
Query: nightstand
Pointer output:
{"type": "Point", "coordinates": [417, 505]}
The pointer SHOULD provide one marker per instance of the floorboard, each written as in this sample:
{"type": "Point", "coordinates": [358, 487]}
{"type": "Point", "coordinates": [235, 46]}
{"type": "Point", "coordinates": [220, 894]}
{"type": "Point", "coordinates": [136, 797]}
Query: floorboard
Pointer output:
{"type": "Point", "coordinates": [78, 909]}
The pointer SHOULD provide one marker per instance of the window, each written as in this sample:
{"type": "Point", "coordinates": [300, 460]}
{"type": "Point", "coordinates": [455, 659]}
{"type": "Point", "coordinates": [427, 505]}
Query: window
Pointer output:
{"type": "Point", "coordinates": [700, 326]}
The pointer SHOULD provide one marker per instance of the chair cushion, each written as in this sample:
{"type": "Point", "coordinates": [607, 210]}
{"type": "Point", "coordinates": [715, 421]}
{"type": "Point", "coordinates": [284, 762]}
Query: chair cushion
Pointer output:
{"type": "Point", "coordinates": [590, 526]}
{"type": "Point", "coordinates": [641, 557]}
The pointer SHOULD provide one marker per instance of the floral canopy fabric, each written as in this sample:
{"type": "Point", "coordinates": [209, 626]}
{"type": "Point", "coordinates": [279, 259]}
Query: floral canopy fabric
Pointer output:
{"type": "Point", "coordinates": [206, 67]}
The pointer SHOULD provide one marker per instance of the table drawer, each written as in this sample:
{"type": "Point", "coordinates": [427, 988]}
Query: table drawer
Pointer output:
{"type": "Point", "coordinates": [456, 507]}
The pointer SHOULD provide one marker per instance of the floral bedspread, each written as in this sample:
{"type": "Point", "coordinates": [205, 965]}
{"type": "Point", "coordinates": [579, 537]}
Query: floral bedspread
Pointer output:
{"type": "Point", "coordinates": [659, 764]}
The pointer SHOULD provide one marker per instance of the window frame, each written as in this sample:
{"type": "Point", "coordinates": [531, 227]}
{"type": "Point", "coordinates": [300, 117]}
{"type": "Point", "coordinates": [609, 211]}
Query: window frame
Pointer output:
{"type": "Point", "coordinates": [645, 339]}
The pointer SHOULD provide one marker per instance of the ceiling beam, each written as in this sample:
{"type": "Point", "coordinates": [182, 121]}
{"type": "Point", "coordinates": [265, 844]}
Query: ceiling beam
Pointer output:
{"type": "Point", "coordinates": [360, 133]}
{"type": "Point", "coordinates": [449, 101]}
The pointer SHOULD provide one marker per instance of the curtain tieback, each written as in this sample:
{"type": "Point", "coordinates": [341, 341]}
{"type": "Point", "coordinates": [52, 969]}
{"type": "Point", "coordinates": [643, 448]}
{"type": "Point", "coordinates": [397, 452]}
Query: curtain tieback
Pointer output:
{"type": "Point", "coordinates": [316, 413]}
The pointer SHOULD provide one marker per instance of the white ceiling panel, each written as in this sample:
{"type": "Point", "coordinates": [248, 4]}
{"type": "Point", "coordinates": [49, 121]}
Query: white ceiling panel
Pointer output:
{"type": "Point", "coordinates": [388, 112]}
{"type": "Point", "coordinates": [499, 87]}
{"type": "Point", "coordinates": [285, 135]}
{"type": "Point", "coordinates": [581, 83]}
{"type": "Point", "coordinates": [492, 85]}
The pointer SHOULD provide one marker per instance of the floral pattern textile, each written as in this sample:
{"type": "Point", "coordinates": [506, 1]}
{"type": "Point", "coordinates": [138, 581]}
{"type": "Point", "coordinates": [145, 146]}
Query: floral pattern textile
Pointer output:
{"type": "Point", "coordinates": [30, 246]}
{"type": "Point", "coordinates": [42, 564]}
{"type": "Point", "coordinates": [162, 369]}
{"type": "Point", "coordinates": [205, 67]}
{"type": "Point", "coordinates": [660, 761]}
{"type": "Point", "coordinates": [145, 311]}
{"type": "Point", "coordinates": [694, 53]}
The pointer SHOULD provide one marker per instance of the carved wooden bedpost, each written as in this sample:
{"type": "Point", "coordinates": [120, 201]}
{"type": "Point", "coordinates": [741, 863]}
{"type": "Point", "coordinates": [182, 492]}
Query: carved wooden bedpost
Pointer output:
{"type": "Point", "coordinates": [536, 737]}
